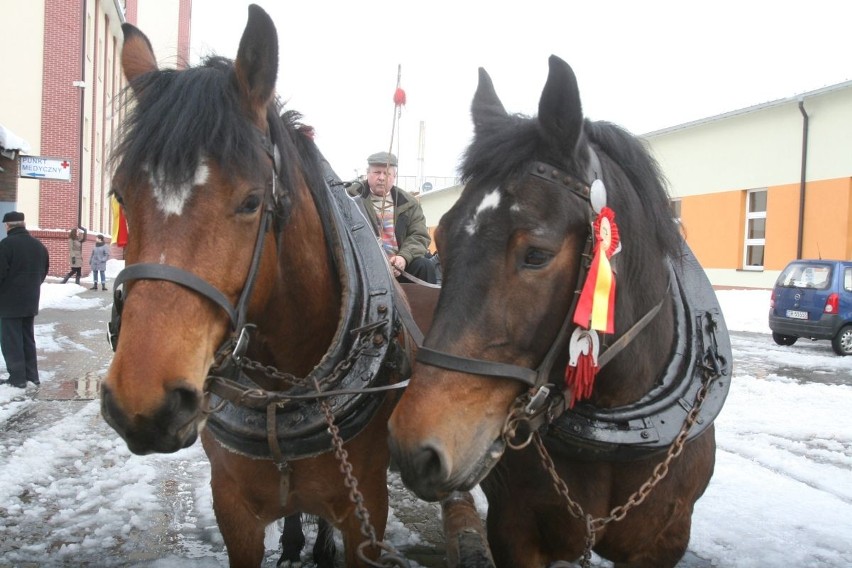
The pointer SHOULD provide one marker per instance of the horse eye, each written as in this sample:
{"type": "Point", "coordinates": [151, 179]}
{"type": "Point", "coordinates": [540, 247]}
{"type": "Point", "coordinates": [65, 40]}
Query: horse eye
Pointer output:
{"type": "Point", "coordinates": [250, 204]}
{"type": "Point", "coordinates": [537, 258]}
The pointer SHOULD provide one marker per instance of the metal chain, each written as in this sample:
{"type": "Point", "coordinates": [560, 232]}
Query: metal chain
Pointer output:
{"type": "Point", "coordinates": [336, 374]}
{"type": "Point", "coordinates": [618, 513]}
{"type": "Point", "coordinates": [366, 340]}
{"type": "Point", "coordinates": [392, 557]}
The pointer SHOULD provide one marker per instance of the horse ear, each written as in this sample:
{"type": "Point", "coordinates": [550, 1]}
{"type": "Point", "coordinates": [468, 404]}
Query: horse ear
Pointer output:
{"type": "Point", "coordinates": [486, 105]}
{"type": "Point", "coordinates": [560, 114]}
{"type": "Point", "coordinates": [137, 55]}
{"type": "Point", "coordinates": [256, 66]}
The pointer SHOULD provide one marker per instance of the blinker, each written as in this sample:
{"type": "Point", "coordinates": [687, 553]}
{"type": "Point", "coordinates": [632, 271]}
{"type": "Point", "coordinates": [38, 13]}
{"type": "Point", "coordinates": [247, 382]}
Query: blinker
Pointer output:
{"type": "Point", "coordinates": [597, 195]}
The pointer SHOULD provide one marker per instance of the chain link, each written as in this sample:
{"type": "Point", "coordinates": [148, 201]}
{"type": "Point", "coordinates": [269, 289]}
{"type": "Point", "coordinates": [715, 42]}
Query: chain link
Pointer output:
{"type": "Point", "coordinates": [337, 374]}
{"type": "Point", "coordinates": [392, 558]}
{"type": "Point", "coordinates": [593, 525]}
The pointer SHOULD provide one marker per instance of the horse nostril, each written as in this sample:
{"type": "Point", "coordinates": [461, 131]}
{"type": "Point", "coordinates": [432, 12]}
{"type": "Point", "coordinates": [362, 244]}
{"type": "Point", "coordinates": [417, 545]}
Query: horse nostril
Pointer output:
{"type": "Point", "coordinates": [430, 463]}
{"type": "Point", "coordinates": [112, 413]}
{"type": "Point", "coordinates": [183, 401]}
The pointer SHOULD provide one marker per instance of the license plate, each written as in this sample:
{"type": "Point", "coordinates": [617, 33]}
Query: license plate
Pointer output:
{"type": "Point", "coordinates": [796, 314]}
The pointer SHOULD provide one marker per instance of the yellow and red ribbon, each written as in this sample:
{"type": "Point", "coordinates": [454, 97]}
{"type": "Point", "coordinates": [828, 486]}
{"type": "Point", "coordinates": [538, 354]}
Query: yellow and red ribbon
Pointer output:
{"type": "Point", "coordinates": [596, 305]}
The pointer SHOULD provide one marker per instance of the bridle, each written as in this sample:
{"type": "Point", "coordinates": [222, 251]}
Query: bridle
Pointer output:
{"type": "Point", "coordinates": [237, 341]}
{"type": "Point", "coordinates": [537, 405]}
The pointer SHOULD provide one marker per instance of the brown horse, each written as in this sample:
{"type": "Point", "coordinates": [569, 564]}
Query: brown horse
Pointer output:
{"type": "Point", "coordinates": [613, 457]}
{"type": "Point", "coordinates": [243, 258]}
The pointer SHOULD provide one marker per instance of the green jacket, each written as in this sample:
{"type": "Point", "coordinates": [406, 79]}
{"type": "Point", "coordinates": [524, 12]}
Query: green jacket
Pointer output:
{"type": "Point", "coordinates": [412, 236]}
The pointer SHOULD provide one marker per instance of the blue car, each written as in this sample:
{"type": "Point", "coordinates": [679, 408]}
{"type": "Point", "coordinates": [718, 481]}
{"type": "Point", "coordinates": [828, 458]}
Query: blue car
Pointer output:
{"type": "Point", "coordinates": [813, 299]}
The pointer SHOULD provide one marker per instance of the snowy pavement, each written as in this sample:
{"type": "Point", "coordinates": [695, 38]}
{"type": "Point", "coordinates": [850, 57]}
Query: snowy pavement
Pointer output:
{"type": "Point", "coordinates": [71, 494]}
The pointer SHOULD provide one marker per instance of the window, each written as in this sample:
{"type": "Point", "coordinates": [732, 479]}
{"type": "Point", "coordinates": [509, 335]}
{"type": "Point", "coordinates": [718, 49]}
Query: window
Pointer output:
{"type": "Point", "coordinates": [806, 275]}
{"type": "Point", "coordinates": [675, 205]}
{"type": "Point", "coordinates": [755, 229]}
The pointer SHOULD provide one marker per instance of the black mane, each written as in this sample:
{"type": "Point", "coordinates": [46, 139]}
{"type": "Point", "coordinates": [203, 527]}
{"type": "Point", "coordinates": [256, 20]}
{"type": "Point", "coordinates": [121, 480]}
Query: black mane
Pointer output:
{"type": "Point", "coordinates": [648, 182]}
{"type": "Point", "coordinates": [503, 151]}
{"type": "Point", "coordinates": [178, 117]}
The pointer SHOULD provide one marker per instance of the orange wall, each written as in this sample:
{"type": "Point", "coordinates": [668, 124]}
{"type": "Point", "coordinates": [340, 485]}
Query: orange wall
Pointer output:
{"type": "Point", "coordinates": [713, 225]}
{"type": "Point", "coordinates": [828, 222]}
{"type": "Point", "coordinates": [827, 219]}
{"type": "Point", "coordinates": [782, 225]}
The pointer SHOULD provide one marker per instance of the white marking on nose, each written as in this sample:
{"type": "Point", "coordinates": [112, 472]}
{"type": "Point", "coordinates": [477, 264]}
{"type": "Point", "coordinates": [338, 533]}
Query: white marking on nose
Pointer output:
{"type": "Point", "coordinates": [170, 199]}
{"type": "Point", "coordinates": [490, 201]}
{"type": "Point", "coordinates": [162, 258]}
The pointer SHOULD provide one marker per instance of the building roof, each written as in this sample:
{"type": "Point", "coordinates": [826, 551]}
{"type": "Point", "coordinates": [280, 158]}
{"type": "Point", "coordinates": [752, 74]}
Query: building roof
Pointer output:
{"type": "Point", "coordinates": [12, 142]}
{"type": "Point", "coordinates": [751, 109]}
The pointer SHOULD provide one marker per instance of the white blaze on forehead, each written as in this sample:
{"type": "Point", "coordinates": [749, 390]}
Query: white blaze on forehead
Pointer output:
{"type": "Point", "coordinates": [171, 199]}
{"type": "Point", "coordinates": [490, 201]}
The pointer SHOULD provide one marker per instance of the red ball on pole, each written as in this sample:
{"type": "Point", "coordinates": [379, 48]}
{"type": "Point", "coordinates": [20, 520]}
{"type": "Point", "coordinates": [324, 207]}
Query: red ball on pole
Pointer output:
{"type": "Point", "coordinates": [399, 97]}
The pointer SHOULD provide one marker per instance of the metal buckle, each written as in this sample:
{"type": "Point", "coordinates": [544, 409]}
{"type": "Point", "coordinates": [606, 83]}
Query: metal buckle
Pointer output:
{"type": "Point", "coordinates": [242, 342]}
{"type": "Point", "coordinates": [537, 400]}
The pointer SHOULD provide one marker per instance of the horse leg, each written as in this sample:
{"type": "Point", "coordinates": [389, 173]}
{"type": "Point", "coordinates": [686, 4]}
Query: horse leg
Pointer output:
{"type": "Point", "coordinates": [242, 531]}
{"type": "Point", "coordinates": [324, 548]}
{"type": "Point", "coordinates": [292, 542]}
{"type": "Point", "coordinates": [670, 544]}
{"type": "Point", "coordinates": [242, 524]}
{"type": "Point", "coordinates": [656, 533]}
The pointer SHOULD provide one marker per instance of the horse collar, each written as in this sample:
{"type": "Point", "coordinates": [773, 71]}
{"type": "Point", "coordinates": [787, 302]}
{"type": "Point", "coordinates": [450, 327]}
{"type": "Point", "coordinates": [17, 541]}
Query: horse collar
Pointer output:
{"type": "Point", "coordinates": [352, 371]}
{"type": "Point", "coordinates": [651, 424]}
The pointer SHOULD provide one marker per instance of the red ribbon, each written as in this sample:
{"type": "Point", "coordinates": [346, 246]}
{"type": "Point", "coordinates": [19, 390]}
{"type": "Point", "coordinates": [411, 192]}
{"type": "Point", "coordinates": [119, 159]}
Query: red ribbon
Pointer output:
{"type": "Point", "coordinates": [596, 305]}
{"type": "Point", "coordinates": [581, 379]}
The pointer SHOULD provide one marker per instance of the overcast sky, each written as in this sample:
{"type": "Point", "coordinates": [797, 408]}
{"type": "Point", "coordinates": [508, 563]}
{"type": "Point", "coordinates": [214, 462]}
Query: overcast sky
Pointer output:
{"type": "Point", "coordinates": [645, 65]}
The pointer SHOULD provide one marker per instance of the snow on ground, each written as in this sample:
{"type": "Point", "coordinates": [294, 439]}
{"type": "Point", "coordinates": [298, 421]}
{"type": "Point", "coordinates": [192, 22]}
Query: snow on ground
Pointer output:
{"type": "Point", "coordinates": [781, 494]}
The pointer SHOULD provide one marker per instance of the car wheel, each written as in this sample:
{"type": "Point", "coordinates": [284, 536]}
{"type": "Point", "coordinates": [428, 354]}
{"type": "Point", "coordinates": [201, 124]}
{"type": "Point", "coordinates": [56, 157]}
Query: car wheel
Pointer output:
{"type": "Point", "coordinates": [842, 342]}
{"type": "Point", "coordinates": [781, 339]}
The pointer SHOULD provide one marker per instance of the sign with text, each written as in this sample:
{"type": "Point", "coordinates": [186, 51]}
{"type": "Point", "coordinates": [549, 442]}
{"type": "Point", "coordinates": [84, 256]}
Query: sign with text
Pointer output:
{"type": "Point", "coordinates": [41, 167]}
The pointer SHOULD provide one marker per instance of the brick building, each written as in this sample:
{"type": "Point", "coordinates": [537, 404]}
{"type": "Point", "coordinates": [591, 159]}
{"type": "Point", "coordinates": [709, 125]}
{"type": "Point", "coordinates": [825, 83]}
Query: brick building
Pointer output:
{"type": "Point", "coordinates": [62, 61]}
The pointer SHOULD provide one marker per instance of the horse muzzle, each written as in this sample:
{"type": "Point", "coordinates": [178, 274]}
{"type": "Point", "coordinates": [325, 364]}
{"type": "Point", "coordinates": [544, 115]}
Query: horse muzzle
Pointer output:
{"type": "Point", "coordinates": [172, 427]}
{"type": "Point", "coordinates": [428, 470]}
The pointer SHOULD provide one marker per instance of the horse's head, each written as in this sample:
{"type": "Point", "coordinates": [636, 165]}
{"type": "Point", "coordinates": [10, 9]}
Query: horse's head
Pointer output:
{"type": "Point", "coordinates": [196, 175]}
{"type": "Point", "coordinates": [511, 250]}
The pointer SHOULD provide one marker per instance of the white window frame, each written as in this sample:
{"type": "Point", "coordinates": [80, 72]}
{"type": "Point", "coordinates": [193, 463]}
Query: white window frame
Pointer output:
{"type": "Point", "coordinates": [747, 242]}
{"type": "Point", "coordinates": [676, 203]}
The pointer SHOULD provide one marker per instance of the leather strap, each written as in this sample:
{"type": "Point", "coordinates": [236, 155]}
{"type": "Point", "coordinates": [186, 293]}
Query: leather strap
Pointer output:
{"type": "Point", "coordinates": [476, 366]}
{"type": "Point", "coordinates": [404, 313]}
{"type": "Point", "coordinates": [634, 330]}
{"type": "Point", "coordinates": [151, 271]}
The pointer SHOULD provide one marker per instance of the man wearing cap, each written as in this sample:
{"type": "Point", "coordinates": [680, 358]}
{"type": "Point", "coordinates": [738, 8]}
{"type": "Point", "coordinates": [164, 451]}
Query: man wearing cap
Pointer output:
{"type": "Point", "coordinates": [23, 267]}
{"type": "Point", "coordinates": [401, 223]}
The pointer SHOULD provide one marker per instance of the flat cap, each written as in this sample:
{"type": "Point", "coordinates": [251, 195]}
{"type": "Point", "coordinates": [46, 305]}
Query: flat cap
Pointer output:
{"type": "Point", "coordinates": [382, 159]}
{"type": "Point", "coordinates": [13, 216]}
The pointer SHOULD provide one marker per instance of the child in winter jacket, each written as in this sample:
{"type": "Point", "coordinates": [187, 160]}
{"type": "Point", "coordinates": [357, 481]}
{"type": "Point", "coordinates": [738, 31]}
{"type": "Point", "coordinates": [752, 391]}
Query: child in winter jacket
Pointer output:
{"type": "Point", "coordinates": [98, 260]}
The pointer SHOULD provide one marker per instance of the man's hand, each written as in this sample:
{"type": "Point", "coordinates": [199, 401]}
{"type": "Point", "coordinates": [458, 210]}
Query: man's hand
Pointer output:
{"type": "Point", "coordinates": [397, 264]}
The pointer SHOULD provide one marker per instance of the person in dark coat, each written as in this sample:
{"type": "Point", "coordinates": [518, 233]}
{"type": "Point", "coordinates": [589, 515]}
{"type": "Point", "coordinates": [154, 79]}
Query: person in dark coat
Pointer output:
{"type": "Point", "coordinates": [24, 263]}
{"type": "Point", "coordinates": [400, 222]}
